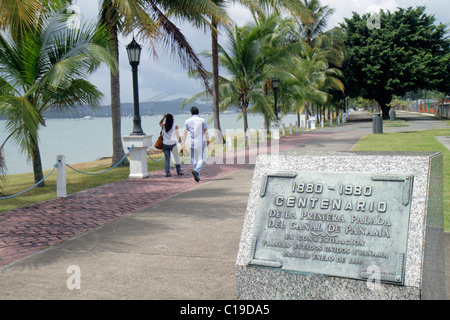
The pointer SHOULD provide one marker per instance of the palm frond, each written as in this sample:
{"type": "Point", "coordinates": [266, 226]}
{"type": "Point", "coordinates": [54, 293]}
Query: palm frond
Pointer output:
{"type": "Point", "coordinates": [294, 7]}
{"type": "Point", "coordinates": [196, 97]}
{"type": "Point", "coordinates": [22, 122]}
{"type": "Point", "coordinates": [197, 12]}
{"type": "Point", "coordinates": [173, 38]}
{"type": "Point", "coordinates": [19, 15]}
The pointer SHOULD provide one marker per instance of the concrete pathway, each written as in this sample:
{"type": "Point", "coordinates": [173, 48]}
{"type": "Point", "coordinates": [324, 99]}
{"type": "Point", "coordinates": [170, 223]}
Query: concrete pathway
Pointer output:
{"type": "Point", "coordinates": [156, 238]}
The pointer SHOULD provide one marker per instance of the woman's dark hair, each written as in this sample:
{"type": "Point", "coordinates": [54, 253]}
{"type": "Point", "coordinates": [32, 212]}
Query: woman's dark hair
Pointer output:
{"type": "Point", "coordinates": [169, 122]}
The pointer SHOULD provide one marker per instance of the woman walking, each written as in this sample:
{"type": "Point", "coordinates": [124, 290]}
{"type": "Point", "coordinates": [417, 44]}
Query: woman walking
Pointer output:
{"type": "Point", "coordinates": [170, 138]}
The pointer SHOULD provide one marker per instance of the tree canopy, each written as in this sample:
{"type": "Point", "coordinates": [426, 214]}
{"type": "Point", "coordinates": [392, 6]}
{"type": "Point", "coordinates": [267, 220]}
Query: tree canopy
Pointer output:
{"type": "Point", "coordinates": [401, 51]}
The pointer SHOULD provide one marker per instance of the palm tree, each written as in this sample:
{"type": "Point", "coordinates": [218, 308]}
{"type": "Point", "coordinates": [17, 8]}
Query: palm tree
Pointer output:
{"type": "Point", "coordinates": [111, 18]}
{"type": "Point", "coordinates": [312, 33]}
{"type": "Point", "coordinates": [245, 62]}
{"type": "Point", "coordinates": [16, 15]}
{"type": "Point", "coordinates": [245, 65]}
{"type": "Point", "coordinates": [2, 169]}
{"type": "Point", "coordinates": [44, 68]}
{"type": "Point", "coordinates": [310, 30]}
{"type": "Point", "coordinates": [308, 78]}
{"type": "Point", "coordinates": [145, 19]}
{"type": "Point", "coordinates": [277, 47]}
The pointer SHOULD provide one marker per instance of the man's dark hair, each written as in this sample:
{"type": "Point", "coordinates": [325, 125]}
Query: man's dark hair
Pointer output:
{"type": "Point", "coordinates": [194, 110]}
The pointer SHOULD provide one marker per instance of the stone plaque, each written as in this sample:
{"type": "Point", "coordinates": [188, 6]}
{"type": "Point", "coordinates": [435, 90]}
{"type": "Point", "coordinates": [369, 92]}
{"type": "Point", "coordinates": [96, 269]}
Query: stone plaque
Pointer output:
{"type": "Point", "coordinates": [349, 225]}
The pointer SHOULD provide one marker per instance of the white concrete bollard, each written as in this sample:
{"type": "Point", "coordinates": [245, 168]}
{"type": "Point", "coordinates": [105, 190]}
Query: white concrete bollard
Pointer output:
{"type": "Point", "coordinates": [262, 135]}
{"type": "Point", "coordinates": [138, 155]}
{"type": "Point", "coordinates": [61, 189]}
{"type": "Point", "coordinates": [275, 132]}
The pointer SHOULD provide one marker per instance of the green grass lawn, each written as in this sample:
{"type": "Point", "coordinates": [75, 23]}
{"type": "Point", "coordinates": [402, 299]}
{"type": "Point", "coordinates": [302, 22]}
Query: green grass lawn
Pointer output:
{"type": "Point", "coordinates": [413, 141]}
{"type": "Point", "coordinates": [75, 182]}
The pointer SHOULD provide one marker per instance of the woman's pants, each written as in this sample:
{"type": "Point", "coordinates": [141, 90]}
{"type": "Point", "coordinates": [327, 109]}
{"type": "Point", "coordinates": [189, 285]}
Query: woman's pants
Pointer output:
{"type": "Point", "coordinates": [167, 149]}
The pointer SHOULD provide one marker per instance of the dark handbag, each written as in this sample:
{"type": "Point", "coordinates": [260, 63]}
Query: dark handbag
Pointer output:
{"type": "Point", "coordinates": [159, 142]}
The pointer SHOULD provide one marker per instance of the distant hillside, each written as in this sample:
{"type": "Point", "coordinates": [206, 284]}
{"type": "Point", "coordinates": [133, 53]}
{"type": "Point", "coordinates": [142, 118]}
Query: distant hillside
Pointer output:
{"type": "Point", "coordinates": [145, 108]}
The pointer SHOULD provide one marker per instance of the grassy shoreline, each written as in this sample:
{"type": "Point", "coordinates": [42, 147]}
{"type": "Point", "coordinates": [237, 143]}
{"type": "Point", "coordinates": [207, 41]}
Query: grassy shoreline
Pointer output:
{"type": "Point", "coordinates": [407, 141]}
{"type": "Point", "coordinates": [75, 181]}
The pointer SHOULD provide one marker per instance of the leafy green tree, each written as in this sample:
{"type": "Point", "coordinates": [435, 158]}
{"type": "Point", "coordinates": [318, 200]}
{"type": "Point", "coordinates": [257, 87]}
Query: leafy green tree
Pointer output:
{"type": "Point", "coordinates": [403, 51]}
{"type": "Point", "coordinates": [47, 67]}
{"type": "Point", "coordinates": [255, 56]}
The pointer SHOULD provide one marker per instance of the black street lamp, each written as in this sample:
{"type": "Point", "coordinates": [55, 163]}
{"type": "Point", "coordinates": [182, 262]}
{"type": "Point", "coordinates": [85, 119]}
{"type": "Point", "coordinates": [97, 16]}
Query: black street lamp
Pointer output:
{"type": "Point", "coordinates": [275, 84]}
{"type": "Point", "coordinates": [134, 54]}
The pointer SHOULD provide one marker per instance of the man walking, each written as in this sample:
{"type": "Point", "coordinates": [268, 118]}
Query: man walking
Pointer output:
{"type": "Point", "coordinates": [198, 133]}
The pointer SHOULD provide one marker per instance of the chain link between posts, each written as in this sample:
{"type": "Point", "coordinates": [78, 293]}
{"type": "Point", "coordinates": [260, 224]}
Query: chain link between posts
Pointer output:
{"type": "Point", "coordinates": [56, 166]}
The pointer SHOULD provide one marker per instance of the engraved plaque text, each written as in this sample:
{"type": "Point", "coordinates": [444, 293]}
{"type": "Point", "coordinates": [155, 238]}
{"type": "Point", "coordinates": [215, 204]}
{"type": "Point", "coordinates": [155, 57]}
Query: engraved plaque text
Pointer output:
{"type": "Point", "coordinates": [352, 225]}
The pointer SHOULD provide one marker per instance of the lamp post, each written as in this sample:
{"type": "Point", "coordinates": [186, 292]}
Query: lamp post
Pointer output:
{"type": "Point", "coordinates": [137, 141]}
{"type": "Point", "coordinates": [134, 54]}
{"type": "Point", "coordinates": [276, 125]}
{"type": "Point", "coordinates": [275, 84]}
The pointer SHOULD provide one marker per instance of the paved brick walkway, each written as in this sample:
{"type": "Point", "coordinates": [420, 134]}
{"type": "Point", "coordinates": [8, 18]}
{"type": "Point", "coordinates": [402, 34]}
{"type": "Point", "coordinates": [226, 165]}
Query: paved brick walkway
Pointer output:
{"type": "Point", "coordinates": [27, 230]}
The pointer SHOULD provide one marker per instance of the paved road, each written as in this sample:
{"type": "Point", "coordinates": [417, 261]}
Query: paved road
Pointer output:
{"type": "Point", "coordinates": [156, 238]}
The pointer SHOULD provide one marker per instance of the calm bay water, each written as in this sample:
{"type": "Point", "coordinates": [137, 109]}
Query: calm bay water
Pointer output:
{"type": "Point", "coordinates": [83, 140]}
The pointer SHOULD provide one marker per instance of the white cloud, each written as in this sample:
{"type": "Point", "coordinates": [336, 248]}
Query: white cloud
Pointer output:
{"type": "Point", "coordinates": [239, 14]}
{"type": "Point", "coordinates": [386, 5]}
{"type": "Point", "coordinates": [345, 8]}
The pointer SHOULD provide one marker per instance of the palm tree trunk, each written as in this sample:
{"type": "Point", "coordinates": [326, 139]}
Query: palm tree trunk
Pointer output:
{"type": "Point", "coordinates": [118, 152]}
{"type": "Point", "coordinates": [215, 68]}
{"type": "Point", "coordinates": [319, 113]}
{"type": "Point", "coordinates": [2, 169]}
{"type": "Point", "coordinates": [244, 116]}
{"type": "Point", "coordinates": [266, 124]}
{"type": "Point", "coordinates": [37, 165]}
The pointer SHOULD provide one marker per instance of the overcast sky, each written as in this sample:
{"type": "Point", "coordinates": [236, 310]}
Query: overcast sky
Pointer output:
{"type": "Point", "coordinates": [164, 78]}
